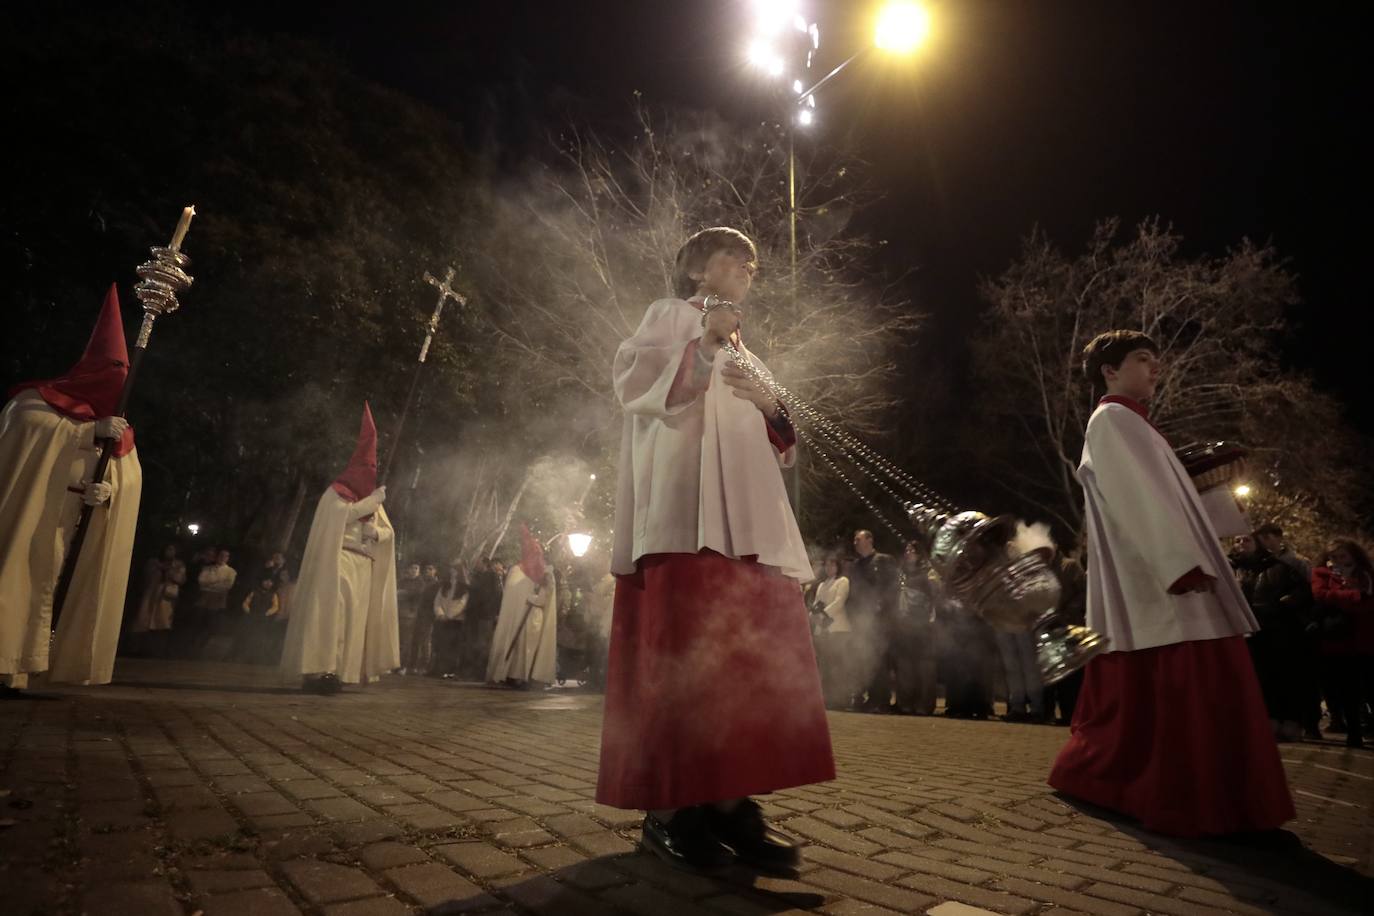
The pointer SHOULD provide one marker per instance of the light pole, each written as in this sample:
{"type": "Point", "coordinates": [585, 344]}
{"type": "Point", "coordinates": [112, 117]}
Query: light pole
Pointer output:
{"type": "Point", "coordinates": [783, 31]}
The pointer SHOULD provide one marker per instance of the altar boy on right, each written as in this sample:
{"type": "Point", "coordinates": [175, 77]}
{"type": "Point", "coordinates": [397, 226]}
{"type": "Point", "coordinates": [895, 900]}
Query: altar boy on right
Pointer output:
{"type": "Point", "coordinates": [1170, 727]}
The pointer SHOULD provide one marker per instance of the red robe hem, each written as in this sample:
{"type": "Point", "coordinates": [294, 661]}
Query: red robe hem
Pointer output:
{"type": "Point", "coordinates": [1178, 737]}
{"type": "Point", "coordinates": [712, 689]}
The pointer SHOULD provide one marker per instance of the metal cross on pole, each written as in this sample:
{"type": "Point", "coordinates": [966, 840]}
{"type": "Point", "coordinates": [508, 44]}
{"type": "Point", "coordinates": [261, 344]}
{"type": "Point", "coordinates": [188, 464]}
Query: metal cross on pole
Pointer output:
{"type": "Point", "coordinates": [446, 292]}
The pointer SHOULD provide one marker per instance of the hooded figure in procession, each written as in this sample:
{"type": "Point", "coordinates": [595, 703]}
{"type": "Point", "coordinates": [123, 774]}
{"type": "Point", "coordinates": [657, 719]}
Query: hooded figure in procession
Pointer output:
{"type": "Point", "coordinates": [343, 627]}
{"type": "Point", "coordinates": [524, 648]}
{"type": "Point", "coordinates": [51, 434]}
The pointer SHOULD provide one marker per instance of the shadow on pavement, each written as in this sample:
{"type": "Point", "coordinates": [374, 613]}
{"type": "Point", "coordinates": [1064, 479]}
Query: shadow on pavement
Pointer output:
{"type": "Point", "coordinates": [210, 688]}
{"type": "Point", "coordinates": [638, 882]}
{"type": "Point", "coordinates": [1245, 863]}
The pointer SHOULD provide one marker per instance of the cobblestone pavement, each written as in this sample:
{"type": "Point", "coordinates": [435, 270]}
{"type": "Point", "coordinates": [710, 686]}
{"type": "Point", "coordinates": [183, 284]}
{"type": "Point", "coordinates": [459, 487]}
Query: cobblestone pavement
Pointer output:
{"type": "Point", "coordinates": [208, 789]}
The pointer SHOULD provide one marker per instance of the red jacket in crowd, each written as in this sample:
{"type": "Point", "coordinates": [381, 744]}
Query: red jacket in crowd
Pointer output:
{"type": "Point", "coordinates": [1332, 589]}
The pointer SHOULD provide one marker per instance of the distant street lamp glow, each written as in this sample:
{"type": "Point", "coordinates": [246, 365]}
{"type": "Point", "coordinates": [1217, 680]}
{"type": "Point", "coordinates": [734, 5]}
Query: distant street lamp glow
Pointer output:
{"type": "Point", "coordinates": [774, 14]}
{"type": "Point", "coordinates": [797, 87]}
{"type": "Point", "coordinates": [193, 528]}
{"type": "Point", "coordinates": [901, 27]}
{"type": "Point", "coordinates": [805, 117]}
{"type": "Point", "coordinates": [765, 58]}
{"type": "Point", "coordinates": [578, 542]}
{"type": "Point", "coordinates": [1243, 490]}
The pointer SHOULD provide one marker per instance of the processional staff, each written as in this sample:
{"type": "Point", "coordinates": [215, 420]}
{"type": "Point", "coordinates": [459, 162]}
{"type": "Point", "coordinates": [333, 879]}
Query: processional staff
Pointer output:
{"type": "Point", "coordinates": [446, 292]}
{"type": "Point", "coordinates": [162, 278]}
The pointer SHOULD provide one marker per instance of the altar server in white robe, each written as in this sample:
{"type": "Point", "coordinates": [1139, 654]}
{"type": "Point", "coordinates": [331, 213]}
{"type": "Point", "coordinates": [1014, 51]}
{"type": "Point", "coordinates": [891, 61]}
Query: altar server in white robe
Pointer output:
{"type": "Point", "coordinates": [524, 647]}
{"type": "Point", "coordinates": [1170, 726]}
{"type": "Point", "coordinates": [343, 626]}
{"type": "Point", "coordinates": [711, 667]}
{"type": "Point", "coordinates": [51, 433]}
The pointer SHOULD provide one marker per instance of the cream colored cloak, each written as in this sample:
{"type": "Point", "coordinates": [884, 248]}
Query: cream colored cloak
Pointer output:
{"type": "Point", "coordinates": [42, 453]}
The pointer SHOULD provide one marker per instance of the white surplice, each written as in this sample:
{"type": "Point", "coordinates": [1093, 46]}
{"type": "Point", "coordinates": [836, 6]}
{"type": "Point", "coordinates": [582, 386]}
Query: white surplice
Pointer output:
{"type": "Point", "coordinates": [1147, 528]}
{"type": "Point", "coordinates": [524, 645]}
{"type": "Point", "coordinates": [42, 454]}
{"type": "Point", "coordinates": [681, 466]}
{"type": "Point", "coordinates": [343, 606]}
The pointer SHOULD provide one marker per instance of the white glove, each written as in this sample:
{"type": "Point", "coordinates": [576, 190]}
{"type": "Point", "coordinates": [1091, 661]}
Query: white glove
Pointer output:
{"type": "Point", "coordinates": [370, 532]}
{"type": "Point", "coordinates": [379, 494]}
{"type": "Point", "coordinates": [110, 427]}
{"type": "Point", "coordinates": [97, 493]}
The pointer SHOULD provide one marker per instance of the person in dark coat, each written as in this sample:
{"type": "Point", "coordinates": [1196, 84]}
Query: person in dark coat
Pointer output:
{"type": "Point", "coordinates": [874, 592]}
{"type": "Point", "coordinates": [1280, 597]}
{"type": "Point", "coordinates": [484, 604]}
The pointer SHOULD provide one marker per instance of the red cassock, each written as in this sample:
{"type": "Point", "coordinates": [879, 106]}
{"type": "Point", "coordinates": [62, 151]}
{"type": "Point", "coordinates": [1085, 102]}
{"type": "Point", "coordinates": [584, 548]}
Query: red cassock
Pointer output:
{"type": "Point", "coordinates": [712, 690]}
{"type": "Point", "coordinates": [1178, 737]}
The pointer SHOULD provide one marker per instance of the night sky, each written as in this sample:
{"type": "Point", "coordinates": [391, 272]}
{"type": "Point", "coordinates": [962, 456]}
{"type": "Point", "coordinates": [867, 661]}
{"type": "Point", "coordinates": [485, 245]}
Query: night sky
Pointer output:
{"type": "Point", "coordinates": [1224, 119]}
{"type": "Point", "coordinates": [1221, 117]}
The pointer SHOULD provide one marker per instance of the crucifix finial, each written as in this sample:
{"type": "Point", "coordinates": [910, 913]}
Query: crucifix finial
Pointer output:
{"type": "Point", "coordinates": [446, 292]}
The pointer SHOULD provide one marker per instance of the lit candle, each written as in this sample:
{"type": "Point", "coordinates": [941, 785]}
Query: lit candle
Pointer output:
{"type": "Point", "coordinates": [180, 235]}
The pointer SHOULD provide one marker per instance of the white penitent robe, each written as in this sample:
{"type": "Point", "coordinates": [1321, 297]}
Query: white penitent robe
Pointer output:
{"type": "Point", "coordinates": [42, 454]}
{"type": "Point", "coordinates": [343, 606]}
{"type": "Point", "coordinates": [534, 656]}
{"type": "Point", "coordinates": [681, 465]}
{"type": "Point", "coordinates": [1147, 528]}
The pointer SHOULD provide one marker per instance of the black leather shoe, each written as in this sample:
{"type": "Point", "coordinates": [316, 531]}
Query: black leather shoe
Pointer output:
{"type": "Point", "coordinates": [323, 684]}
{"type": "Point", "coordinates": [686, 842]}
{"type": "Point", "coordinates": [755, 843]}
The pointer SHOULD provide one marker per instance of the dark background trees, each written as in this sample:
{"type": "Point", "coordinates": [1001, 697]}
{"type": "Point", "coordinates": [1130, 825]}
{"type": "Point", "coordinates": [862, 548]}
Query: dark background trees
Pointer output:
{"type": "Point", "coordinates": [324, 196]}
{"type": "Point", "coordinates": [1220, 323]}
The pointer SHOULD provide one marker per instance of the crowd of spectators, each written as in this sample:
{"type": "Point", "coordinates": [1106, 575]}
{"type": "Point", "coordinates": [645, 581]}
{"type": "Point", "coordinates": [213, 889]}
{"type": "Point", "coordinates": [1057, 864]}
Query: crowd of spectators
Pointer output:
{"type": "Point", "coordinates": [888, 638]}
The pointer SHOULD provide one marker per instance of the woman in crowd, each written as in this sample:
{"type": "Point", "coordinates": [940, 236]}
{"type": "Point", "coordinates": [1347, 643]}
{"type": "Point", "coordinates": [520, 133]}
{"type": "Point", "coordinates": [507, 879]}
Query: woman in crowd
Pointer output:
{"type": "Point", "coordinates": [834, 646]}
{"type": "Point", "coordinates": [1343, 586]}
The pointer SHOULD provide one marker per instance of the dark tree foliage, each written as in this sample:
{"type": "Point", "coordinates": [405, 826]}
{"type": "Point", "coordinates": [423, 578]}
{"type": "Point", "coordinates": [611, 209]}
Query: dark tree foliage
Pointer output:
{"type": "Point", "coordinates": [322, 199]}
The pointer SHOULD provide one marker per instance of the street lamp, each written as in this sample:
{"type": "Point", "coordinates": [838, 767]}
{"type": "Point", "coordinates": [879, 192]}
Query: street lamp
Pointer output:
{"type": "Point", "coordinates": [1243, 490]}
{"type": "Point", "coordinates": [193, 528]}
{"type": "Point", "coordinates": [899, 29]}
{"type": "Point", "coordinates": [579, 542]}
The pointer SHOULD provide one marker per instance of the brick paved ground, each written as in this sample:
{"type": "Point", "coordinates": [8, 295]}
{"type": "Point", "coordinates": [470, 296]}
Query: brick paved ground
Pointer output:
{"type": "Point", "coordinates": [205, 789]}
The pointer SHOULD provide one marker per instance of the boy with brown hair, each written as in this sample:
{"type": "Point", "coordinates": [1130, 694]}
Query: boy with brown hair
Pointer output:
{"type": "Point", "coordinates": [712, 690]}
{"type": "Point", "coordinates": [1170, 726]}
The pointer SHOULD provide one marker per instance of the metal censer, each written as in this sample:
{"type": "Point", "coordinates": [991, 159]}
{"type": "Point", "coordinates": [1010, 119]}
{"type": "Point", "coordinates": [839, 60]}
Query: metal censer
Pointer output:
{"type": "Point", "coordinates": [972, 554]}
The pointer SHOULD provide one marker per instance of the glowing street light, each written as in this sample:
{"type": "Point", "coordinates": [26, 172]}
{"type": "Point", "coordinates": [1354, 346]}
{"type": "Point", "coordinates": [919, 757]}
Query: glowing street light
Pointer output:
{"type": "Point", "coordinates": [765, 58]}
{"type": "Point", "coordinates": [901, 27]}
{"type": "Point", "coordinates": [772, 15]}
{"type": "Point", "coordinates": [1243, 490]}
{"type": "Point", "coordinates": [579, 542]}
{"type": "Point", "coordinates": [193, 528]}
